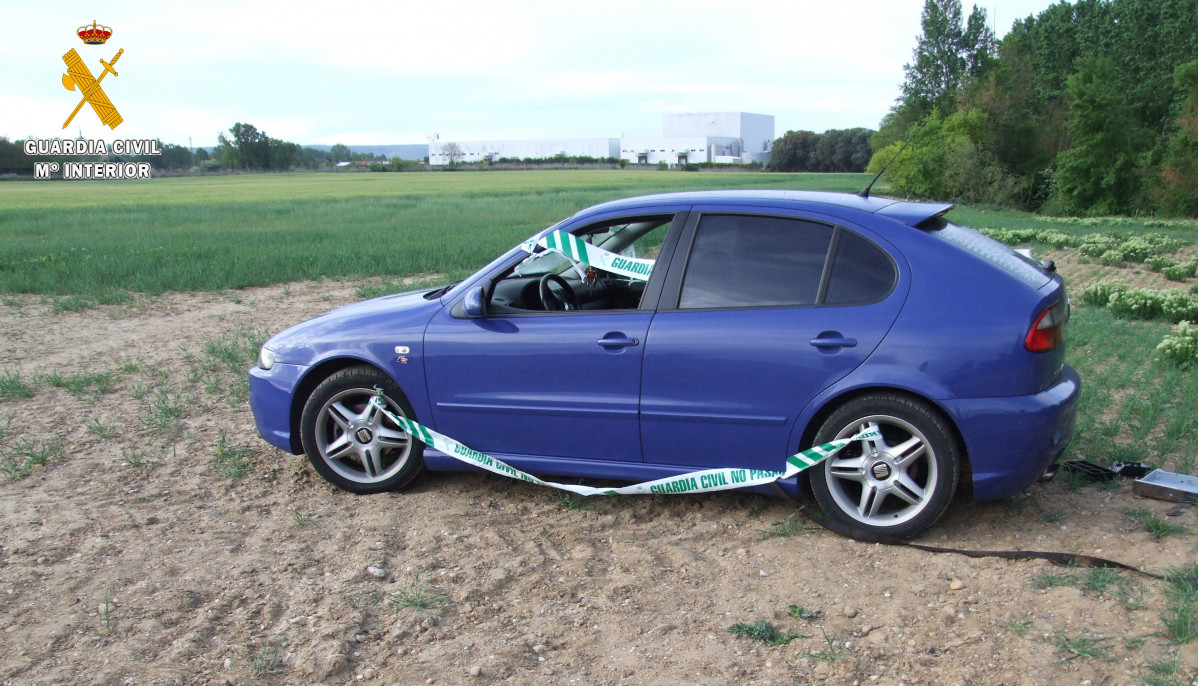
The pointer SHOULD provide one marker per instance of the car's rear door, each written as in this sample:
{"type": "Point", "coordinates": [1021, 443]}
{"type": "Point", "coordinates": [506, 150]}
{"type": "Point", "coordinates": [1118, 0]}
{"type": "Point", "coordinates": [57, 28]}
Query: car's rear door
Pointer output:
{"type": "Point", "coordinates": [760, 312]}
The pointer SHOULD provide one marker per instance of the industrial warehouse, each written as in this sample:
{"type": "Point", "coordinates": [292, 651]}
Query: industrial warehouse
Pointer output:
{"type": "Point", "coordinates": [690, 138]}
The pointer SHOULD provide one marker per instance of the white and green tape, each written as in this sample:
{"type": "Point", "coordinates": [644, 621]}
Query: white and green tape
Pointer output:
{"type": "Point", "coordinates": [578, 250]}
{"type": "Point", "coordinates": [703, 481]}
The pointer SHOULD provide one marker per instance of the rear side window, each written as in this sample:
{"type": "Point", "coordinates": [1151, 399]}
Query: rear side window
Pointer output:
{"type": "Point", "coordinates": [861, 273]}
{"type": "Point", "coordinates": [748, 261]}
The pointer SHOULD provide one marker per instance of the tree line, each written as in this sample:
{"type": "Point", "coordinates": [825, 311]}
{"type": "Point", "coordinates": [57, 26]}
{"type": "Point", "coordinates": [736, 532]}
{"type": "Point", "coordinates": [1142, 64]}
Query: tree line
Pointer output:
{"type": "Point", "coordinates": [1088, 108]}
{"type": "Point", "coordinates": [835, 150]}
{"type": "Point", "coordinates": [244, 148]}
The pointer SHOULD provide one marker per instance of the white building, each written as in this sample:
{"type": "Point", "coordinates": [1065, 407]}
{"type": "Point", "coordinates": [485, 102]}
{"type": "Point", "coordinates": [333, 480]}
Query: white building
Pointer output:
{"type": "Point", "coordinates": [477, 151]}
{"type": "Point", "coordinates": [716, 137]}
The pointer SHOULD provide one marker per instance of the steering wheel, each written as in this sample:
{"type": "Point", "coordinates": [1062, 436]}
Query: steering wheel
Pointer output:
{"type": "Point", "coordinates": [562, 298]}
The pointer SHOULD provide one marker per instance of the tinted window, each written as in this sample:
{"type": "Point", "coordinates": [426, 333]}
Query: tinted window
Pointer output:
{"type": "Point", "coordinates": [862, 273]}
{"type": "Point", "coordinates": [1029, 271]}
{"type": "Point", "coordinates": [744, 261]}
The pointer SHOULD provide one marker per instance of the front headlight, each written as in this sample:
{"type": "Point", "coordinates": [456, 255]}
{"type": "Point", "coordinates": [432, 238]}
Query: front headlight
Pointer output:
{"type": "Point", "coordinates": [266, 358]}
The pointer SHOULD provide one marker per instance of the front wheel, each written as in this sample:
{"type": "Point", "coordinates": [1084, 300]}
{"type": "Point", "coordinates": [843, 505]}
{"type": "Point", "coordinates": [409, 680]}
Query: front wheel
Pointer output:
{"type": "Point", "coordinates": [897, 484]}
{"type": "Point", "coordinates": [350, 442]}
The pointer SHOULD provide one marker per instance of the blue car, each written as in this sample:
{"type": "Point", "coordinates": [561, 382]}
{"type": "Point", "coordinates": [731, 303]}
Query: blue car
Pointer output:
{"type": "Point", "coordinates": [654, 336]}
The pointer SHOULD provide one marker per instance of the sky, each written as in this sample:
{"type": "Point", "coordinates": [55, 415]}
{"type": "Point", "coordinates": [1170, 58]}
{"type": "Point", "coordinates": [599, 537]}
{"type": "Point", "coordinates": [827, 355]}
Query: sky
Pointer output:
{"type": "Point", "coordinates": [380, 73]}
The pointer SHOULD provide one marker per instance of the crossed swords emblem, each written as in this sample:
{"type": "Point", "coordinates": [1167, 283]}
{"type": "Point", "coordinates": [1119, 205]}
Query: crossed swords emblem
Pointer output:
{"type": "Point", "coordinates": [79, 75]}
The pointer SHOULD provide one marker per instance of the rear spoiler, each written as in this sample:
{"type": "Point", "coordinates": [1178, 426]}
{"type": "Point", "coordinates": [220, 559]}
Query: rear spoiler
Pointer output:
{"type": "Point", "coordinates": [914, 213]}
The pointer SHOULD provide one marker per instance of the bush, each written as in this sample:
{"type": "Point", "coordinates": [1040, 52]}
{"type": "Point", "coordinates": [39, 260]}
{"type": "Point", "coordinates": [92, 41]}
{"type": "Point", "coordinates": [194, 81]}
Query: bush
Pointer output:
{"type": "Point", "coordinates": [1178, 306]}
{"type": "Point", "coordinates": [1099, 292]}
{"type": "Point", "coordinates": [1181, 346]}
{"type": "Point", "coordinates": [1139, 303]}
{"type": "Point", "coordinates": [1181, 271]}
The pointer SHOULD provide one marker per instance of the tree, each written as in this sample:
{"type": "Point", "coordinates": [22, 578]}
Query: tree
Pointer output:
{"type": "Point", "coordinates": [339, 153]}
{"type": "Point", "coordinates": [1100, 174]}
{"type": "Point", "coordinates": [454, 152]}
{"type": "Point", "coordinates": [946, 54]}
{"type": "Point", "coordinates": [1178, 193]}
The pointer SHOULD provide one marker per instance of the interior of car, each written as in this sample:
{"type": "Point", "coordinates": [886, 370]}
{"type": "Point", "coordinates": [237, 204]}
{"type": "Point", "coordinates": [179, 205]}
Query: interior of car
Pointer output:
{"type": "Point", "coordinates": [548, 281]}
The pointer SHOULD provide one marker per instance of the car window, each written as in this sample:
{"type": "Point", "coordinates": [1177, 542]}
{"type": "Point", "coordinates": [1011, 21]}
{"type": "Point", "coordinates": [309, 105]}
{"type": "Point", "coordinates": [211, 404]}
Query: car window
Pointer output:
{"type": "Point", "coordinates": [861, 273]}
{"type": "Point", "coordinates": [750, 261]}
{"type": "Point", "coordinates": [637, 238]}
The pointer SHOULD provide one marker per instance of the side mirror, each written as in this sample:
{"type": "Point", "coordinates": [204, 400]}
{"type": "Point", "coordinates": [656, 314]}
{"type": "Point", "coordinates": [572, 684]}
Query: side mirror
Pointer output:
{"type": "Point", "coordinates": [474, 305]}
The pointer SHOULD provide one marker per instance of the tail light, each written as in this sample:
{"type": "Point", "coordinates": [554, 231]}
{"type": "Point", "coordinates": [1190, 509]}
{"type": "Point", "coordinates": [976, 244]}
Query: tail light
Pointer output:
{"type": "Point", "coordinates": [1049, 329]}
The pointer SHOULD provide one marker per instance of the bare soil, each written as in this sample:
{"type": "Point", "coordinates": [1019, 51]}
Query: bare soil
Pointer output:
{"type": "Point", "coordinates": [135, 559]}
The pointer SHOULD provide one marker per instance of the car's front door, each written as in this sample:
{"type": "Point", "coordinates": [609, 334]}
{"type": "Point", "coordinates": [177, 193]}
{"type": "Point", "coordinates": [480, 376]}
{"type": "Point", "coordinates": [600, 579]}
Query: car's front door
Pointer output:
{"type": "Point", "coordinates": [555, 384]}
{"type": "Point", "coordinates": [771, 310]}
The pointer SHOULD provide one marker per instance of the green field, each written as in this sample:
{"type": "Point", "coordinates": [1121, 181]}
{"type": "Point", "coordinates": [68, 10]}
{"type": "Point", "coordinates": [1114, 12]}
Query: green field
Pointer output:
{"type": "Point", "coordinates": [81, 244]}
{"type": "Point", "coordinates": [189, 234]}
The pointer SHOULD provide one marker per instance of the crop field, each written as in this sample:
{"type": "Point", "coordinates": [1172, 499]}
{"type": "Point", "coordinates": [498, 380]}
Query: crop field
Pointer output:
{"type": "Point", "coordinates": [152, 537]}
{"type": "Point", "coordinates": [103, 240]}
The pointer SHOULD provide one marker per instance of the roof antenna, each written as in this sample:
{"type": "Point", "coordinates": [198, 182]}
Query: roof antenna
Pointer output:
{"type": "Point", "coordinates": [865, 193]}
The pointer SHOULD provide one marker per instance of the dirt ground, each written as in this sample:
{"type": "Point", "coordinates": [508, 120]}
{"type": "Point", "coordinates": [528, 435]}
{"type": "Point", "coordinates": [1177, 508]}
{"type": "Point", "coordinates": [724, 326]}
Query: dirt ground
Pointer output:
{"type": "Point", "coordinates": [131, 557]}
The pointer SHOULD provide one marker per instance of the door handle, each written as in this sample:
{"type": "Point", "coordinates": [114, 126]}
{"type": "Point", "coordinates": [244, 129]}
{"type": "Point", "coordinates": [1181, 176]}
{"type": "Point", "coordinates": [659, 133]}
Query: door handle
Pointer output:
{"type": "Point", "coordinates": [833, 339]}
{"type": "Point", "coordinates": [616, 341]}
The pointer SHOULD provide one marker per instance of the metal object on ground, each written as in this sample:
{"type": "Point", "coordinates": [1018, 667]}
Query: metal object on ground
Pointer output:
{"type": "Point", "coordinates": [1169, 486]}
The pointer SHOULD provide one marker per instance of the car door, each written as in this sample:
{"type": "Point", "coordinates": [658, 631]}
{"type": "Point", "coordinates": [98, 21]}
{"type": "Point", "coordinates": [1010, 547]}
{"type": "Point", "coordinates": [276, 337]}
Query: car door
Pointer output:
{"type": "Point", "coordinates": [561, 384]}
{"type": "Point", "coordinates": [767, 311]}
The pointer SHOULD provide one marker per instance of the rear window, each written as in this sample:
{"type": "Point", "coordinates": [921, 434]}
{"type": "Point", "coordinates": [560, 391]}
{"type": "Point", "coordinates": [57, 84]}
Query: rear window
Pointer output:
{"type": "Point", "coordinates": [994, 252]}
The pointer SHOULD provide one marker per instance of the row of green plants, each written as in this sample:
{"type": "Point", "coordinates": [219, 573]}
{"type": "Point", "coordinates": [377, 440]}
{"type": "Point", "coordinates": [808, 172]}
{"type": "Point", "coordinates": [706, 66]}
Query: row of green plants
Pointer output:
{"type": "Point", "coordinates": [1174, 305]}
{"type": "Point", "coordinates": [1110, 249]}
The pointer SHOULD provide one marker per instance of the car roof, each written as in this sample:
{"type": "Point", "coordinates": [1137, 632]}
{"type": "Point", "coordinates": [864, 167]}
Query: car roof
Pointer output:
{"type": "Point", "coordinates": [910, 213]}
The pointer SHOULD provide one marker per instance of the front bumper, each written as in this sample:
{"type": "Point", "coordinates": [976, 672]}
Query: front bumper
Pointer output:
{"type": "Point", "coordinates": [271, 399]}
{"type": "Point", "coordinates": [1012, 441]}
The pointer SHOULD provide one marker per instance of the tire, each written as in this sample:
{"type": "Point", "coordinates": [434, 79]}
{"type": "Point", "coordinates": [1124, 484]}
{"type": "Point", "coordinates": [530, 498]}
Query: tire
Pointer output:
{"type": "Point", "coordinates": [897, 485]}
{"type": "Point", "coordinates": [354, 446]}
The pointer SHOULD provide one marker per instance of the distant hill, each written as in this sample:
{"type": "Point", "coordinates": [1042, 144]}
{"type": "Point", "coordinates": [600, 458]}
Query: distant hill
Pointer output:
{"type": "Point", "coordinates": [405, 152]}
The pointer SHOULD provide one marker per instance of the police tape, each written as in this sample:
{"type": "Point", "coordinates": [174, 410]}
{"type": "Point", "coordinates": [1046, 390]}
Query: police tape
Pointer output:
{"type": "Point", "coordinates": [703, 481]}
{"type": "Point", "coordinates": [578, 250]}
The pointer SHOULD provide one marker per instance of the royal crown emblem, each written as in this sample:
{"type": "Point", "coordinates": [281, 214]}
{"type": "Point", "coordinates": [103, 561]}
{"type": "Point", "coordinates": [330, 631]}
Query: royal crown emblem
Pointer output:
{"type": "Point", "coordinates": [94, 34]}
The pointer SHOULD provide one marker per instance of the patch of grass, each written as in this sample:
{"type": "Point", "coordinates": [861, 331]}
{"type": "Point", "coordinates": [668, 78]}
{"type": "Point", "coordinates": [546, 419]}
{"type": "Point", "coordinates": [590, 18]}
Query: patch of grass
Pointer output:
{"type": "Point", "coordinates": [300, 518]}
{"type": "Point", "coordinates": [165, 409]}
{"type": "Point", "coordinates": [100, 430]}
{"type": "Point", "coordinates": [1020, 628]}
{"type": "Point", "coordinates": [797, 612]}
{"type": "Point", "coordinates": [13, 386]}
{"type": "Point", "coordinates": [71, 303]}
{"type": "Point", "coordinates": [1150, 522]}
{"type": "Point", "coordinates": [573, 502]}
{"type": "Point", "coordinates": [417, 596]}
{"type": "Point", "coordinates": [267, 660]}
{"type": "Point", "coordinates": [106, 612]}
{"type": "Point", "coordinates": [1181, 617]}
{"type": "Point", "coordinates": [833, 652]}
{"type": "Point", "coordinates": [791, 526]}
{"type": "Point", "coordinates": [1165, 672]}
{"type": "Point", "coordinates": [1081, 645]}
{"type": "Point", "coordinates": [230, 457]}
{"type": "Point", "coordinates": [19, 461]}
{"type": "Point", "coordinates": [763, 631]}
{"type": "Point", "coordinates": [83, 383]}
{"type": "Point", "coordinates": [1042, 580]}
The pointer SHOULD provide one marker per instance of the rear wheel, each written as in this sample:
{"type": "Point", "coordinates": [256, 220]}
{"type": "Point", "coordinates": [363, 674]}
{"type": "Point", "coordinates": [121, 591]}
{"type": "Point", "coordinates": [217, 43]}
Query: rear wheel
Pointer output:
{"type": "Point", "coordinates": [351, 443]}
{"type": "Point", "coordinates": [897, 484]}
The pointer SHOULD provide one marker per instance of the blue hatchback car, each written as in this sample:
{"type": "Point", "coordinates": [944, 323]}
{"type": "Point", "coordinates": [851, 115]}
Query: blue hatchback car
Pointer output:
{"type": "Point", "coordinates": [653, 336]}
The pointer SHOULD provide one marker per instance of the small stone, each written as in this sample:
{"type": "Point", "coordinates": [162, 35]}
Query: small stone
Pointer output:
{"type": "Point", "coordinates": [849, 611]}
{"type": "Point", "coordinates": [762, 572]}
{"type": "Point", "coordinates": [377, 572]}
{"type": "Point", "coordinates": [539, 648]}
{"type": "Point", "coordinates": [151, 520]}
{"type": "Point", "coordinates": [475, 670]}
{"type": "Point", "coordinates": [189, 441]}
{"type": "Point", "coordinates": [43, 560]}
{"type": "Point", "coordinates": [547, 671]}
{"type": "Point", "coordinates": [228, 662]}
{"type": "Point", "coordinates": [956, 584]}
{"type": "Point", "coordinates": [741, 551]}
{"type": "Point", "coordinates": [368, 673]}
